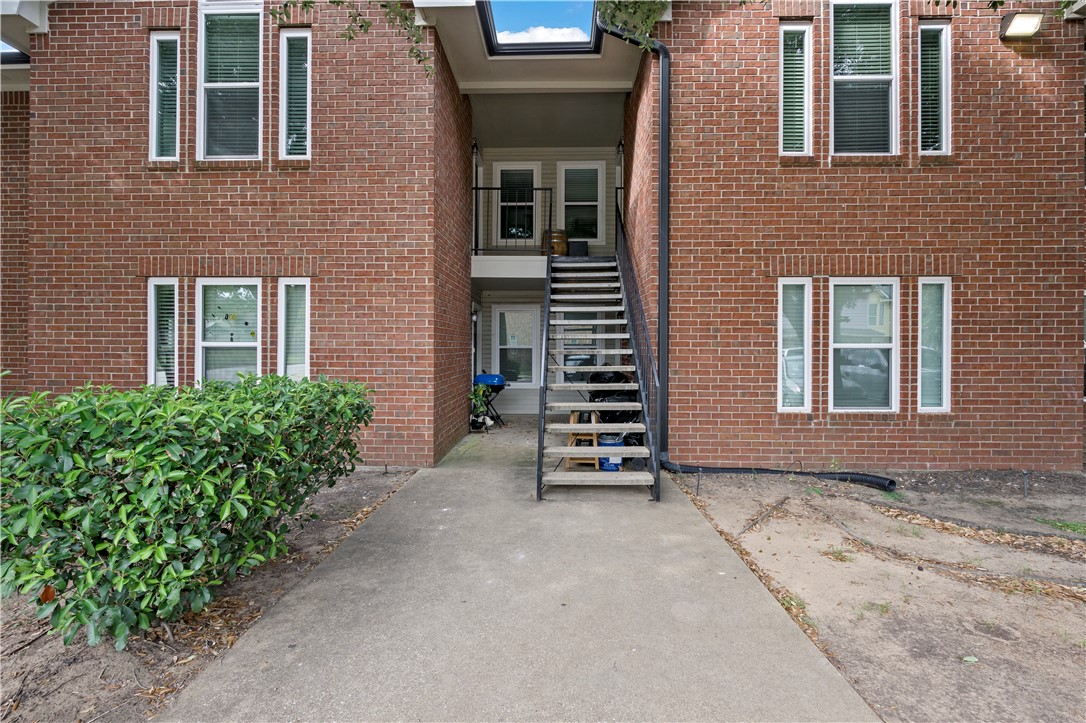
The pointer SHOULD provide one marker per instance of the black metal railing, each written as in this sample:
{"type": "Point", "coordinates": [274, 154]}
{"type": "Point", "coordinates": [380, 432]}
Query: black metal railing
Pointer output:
{"type": "Point", "coordinates": [512, 220]}
{"type": "Point", "coordinates": [544, 362]}
{"type": "Point", "coordinates": [648, 376]}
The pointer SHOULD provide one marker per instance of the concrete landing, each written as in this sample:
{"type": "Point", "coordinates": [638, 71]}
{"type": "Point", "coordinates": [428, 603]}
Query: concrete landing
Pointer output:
{"type": "Point", "coordinates": [464, 599]}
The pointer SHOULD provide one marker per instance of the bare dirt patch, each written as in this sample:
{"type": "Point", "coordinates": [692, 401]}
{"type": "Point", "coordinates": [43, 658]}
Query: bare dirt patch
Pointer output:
{"type": "Point", "coordinates": [41, 679]}
{"type": "Point", "coordinates": [954, 599]}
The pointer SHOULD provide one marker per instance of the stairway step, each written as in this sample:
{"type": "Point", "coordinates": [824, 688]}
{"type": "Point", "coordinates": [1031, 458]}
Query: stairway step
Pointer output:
{"type": "Point", "coordinates": [587, 322]}
{"type": "Point", "coordinates": [618, 368]}
{"type": "Point", "coordinates": [595, 452]}
{"type": "Point", "coordinates": [594, 309]}
{"type": "Point", "coordinates": [616, 335]}
{"type": "Point", "coordinates": [585, 297]}
{"type": "Point", "coordinates": [585, 284]}
{"type": "Point", "coordinates": [593, 406]}
{"type": "Point", "coordinates": [598, 478]}
{"type": "Point", "coordinates": [588, 387]}
{"type": "Point", "coordinates": [565, 264]}
{"type": "Point", "coordinates": [585, 274]}
{"type": "Point", "coordinates": [566, 351]}
{"type": "Point", "coordinates": [595, 428]}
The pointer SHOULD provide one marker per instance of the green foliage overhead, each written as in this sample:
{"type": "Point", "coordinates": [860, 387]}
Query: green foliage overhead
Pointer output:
{"type": "Point", "coordinates": [120, 508]}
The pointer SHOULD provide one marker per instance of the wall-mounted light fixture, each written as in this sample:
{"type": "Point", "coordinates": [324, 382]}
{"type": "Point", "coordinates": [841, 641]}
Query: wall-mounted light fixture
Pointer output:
{"type": "Point", "coordinates": [1018, 25]}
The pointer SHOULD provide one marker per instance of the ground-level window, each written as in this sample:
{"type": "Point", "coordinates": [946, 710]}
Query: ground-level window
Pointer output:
{"type": "Point", "coordinates": [162, 332]}
{"type": "Point", "coordinates": [794, 345]}
{"type": "Point", "coordinates": [934, 355]}
{"type": "Point", "coordinates": [516, 334]}
{"type": "Point", "coordinates": [580, 207]}
{"type": "Point", "coordinates": [294, 328]}
{"type": "Point", "coordinates": [228, 341]}
{"type": "Point", "coordinates": [864, 344]}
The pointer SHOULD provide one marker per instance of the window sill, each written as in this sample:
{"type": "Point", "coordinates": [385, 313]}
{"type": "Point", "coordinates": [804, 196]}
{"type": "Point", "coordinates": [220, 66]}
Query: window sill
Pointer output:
{"type": "Point", "coordinates": [163, 165]}
{"type": "Point", "coordinates": [873, 160]}
{"type": "Point", "coordinates": [254, 164]}
{"type": "Point", "coordinates": [300, 164]}
{"type": "Point", "coordinates": [808, 161]}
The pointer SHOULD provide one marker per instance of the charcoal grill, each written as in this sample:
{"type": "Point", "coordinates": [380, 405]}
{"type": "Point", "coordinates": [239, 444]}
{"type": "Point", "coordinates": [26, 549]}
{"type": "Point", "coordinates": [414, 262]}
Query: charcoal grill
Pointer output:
{"type": "Point", "coordinates": [494, 383]}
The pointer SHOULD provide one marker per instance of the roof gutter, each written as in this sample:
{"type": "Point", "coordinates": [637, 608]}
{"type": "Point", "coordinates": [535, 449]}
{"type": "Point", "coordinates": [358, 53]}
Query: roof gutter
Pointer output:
{"type": "Point", "coordinates": [663, 303]}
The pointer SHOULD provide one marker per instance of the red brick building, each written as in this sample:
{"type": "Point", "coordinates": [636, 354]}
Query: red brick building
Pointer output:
{"type": "Point", "coordinates": [873, 256]}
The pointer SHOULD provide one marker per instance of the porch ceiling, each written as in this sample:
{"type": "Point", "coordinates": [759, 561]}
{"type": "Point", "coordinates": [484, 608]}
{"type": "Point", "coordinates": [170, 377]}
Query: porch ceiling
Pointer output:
{"type": "Point", "coordinates": [535, 120]}
{"type": "Point", "coordinates": [457, 23]}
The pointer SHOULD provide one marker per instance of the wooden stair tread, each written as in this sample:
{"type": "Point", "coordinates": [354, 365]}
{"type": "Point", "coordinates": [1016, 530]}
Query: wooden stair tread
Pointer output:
{"type": "Point", "coordinates": [593, 406]}
{"type": "Point", "coordinates": [598, 478]}
{"type": "Point", "coordinates": [596, 451]}
{"type": "Point", "coordinates": [589, 387]}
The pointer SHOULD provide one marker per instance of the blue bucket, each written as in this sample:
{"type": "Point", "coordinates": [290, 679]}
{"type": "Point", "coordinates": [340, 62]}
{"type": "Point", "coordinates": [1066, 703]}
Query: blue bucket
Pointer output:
{"type": "Point", "coordinates": [611, 464]}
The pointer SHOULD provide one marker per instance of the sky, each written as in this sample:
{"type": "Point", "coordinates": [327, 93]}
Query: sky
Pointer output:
{"type": "Point", "coordinates": [542, 21]}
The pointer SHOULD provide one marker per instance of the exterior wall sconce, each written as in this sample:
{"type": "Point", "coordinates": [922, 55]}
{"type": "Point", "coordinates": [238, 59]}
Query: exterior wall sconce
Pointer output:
{"type": "Point", "coordinates": [1018, 25]}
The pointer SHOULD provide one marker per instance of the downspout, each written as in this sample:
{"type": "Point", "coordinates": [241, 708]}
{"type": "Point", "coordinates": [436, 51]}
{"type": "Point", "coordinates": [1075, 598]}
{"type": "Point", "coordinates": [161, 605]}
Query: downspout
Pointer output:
{"type": "Point", "coordinates": [663, 303]}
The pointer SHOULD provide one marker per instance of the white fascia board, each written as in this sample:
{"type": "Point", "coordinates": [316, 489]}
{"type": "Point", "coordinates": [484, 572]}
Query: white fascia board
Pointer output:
{"type": "Point", "coordinates": [508, 267]}
{"type": "Point", "coordinates": [1077, 11]}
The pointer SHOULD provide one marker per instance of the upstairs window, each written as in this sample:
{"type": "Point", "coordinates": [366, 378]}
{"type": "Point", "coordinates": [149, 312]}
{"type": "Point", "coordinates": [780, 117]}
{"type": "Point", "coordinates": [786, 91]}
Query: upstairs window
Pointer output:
{"type": "Point", "coordinates": [294, 113]}
{"type": "Point", "coordinates": [795, 48]}
{"type": "Point", "coordinates": [580, 188]}
{"type": "Point", "coordinates": [228, 123]}
{"type": "Point", "coordinates": [164, 64]}
{"type": "Point", "coordinates": [864, 78]}
{"type": "Point", "coordinates": [934, 88]}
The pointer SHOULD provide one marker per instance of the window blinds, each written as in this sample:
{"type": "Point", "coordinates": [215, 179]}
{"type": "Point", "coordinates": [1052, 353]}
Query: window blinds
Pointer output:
{"type": "Point", "coordinates": [232, 85]}
{"type": "Point", "coordinates": [165, 334]}
{"type": "Point", "coordinates": [296, 108]}
{"type": "Point", "coordinates": [793, 92]}
{"type": "Point", "coordinates": [931, 89]}
{"type": "Point", "coordinates": [166, 100]}
{"type": "Point", "coordinates": [863, 71]}
{"type": "Point", "coordinates": [295, 326]}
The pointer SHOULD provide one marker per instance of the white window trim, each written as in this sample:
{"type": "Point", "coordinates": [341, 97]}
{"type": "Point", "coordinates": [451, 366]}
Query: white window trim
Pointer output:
{"type": "Point", "coordinates": [945, 282]}
{"type": "Point", "coordinates": [495, 314]}
{"type": "Point", "coordinates": [284, 35]}
{"type": "Point", "coordinates": [895, 351]}
{"type": "Point", "coordinates": [945, 101]}
{"type": "Point", "coordinates": [496, 172]}
{"type": "Point", "coordinates": [805, 28]}
{"type": "Point", "coordinates": [601, 176]}
{"type": "Point", "coordinates": [281, 351]}
{"type": "Point", "coordinates": [895, 100]}
{"type": "Point", "coordinates": [241, 7]}
{"type": "Point", "coordinates": [198, 362]}
{"type": "Point", "coordinates": [807, 337]}
{"type": "Point", "coordinates": [152, 284]}
{"type": "Point", "coordinates": [156, 37]}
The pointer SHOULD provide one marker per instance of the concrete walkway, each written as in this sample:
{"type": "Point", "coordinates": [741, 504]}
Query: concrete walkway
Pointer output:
{"type": "Point", "coordinates": [463, 599]}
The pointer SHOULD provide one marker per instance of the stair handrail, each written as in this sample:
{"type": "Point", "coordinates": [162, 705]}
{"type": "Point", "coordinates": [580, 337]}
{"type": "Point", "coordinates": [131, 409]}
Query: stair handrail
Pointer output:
{"type": "Point", "coordinates": [641, 346]}
{"type": "Point", "coordinates": [543, 374]}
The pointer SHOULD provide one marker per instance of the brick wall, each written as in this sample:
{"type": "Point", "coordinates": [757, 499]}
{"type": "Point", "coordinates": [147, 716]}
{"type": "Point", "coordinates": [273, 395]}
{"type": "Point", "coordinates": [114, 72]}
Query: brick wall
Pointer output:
{"type": "Point", "coordinates": [452, 270]}
{"type": "Point", "coordinates": [14, 164]}
{"type": "Point", "coordinates": [1002, 215]}
{"type": "Point", "coordinates": [358, 219]}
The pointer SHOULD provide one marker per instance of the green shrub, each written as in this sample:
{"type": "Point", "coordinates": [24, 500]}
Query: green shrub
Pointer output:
{"type": "Point", "coordinates": [131, 506]}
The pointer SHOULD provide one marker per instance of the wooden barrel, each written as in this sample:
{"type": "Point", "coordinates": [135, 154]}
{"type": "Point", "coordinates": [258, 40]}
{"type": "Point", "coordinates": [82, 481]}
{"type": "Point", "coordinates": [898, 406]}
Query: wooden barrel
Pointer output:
{"type": "Point", "coordinates": [556, 242]}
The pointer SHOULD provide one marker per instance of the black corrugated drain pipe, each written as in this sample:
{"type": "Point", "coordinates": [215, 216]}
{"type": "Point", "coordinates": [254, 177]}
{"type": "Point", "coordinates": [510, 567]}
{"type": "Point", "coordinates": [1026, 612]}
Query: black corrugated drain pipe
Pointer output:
{"type": "Point", "coordinates": [860, 478]}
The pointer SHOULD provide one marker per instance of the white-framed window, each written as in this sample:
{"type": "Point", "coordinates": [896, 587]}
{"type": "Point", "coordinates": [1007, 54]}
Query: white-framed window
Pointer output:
{"type": "Point", "coordinates": [228, 331]}
{"type": "Point", "coordinates": [516, 214]}
{"type": "Point", "coordinates": [228, 94]}
{"type": "Point", "coordinates": [795, 88]}
{"type": "Point", "coordinates": [794, 345]}
{"type": "Point", "coordinates": [295, 92]}
{"type": "Point", "coordinates": [294, 328]}
{"type": "Point", "coordinates": [934, 102]}
{"type": "Point", "coordinates": [165, 57]}
{"type": "Point", "coordinates": [516, 343]}
{"type": "Point", "coordinates": [864, 356]}
{"type": "Point", "coordinates": [162, 315]}
{"type": "Point", "coordinates": [933, 356]}
{"type": "Point", "coordinates": [580, 200]}
{"type": "Point", "coordinates": [864, 117]}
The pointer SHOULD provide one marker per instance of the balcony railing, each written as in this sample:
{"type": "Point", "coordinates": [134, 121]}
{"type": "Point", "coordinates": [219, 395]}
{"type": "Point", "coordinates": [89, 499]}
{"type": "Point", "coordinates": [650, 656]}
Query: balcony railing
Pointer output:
{"type": "Point", "coordinates": [512, 221]}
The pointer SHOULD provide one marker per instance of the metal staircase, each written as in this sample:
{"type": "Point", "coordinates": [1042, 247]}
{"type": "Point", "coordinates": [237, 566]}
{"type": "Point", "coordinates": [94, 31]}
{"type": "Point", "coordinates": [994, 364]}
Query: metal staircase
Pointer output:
{"type": "Point", "coordinates": [592, 289]}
